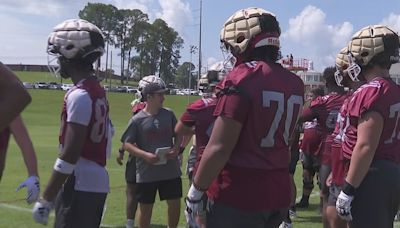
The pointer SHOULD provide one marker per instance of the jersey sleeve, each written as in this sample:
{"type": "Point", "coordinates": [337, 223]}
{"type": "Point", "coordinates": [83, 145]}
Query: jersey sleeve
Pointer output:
{"type": "Point", "coordinates": [365, 100]}
{"type": "Point", "coordinates": [187, 119]}
{"type": "Point", "coordinates": [79, 107]}
{"type": "Point", "coordinates": [130, 134]}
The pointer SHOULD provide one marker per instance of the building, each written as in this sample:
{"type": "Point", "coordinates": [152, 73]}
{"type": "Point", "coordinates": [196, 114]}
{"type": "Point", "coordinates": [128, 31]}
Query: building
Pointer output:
{"type": "Point", "coordinates": [304, 68]}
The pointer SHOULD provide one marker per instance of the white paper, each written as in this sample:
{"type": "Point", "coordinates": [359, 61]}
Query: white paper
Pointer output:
{"type": "Point", "coordinates": [161, 154]}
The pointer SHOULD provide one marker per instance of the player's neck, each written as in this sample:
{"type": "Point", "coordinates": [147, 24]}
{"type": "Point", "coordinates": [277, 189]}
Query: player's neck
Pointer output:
{"type": "Point", "coordinates": [375, 72]}
{"type": "Point", "coordinates": [152, 109]}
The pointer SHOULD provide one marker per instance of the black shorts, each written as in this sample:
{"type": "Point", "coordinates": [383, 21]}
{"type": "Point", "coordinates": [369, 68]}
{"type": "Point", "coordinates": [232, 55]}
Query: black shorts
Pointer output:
{"type": "Point", "coordinates": [377, 199]}
{"type": "Point", "coordinates": [167, 190]}
{"type": "Point", "coordinates": [77, 209]}
{"type": "Point", "coordinates": [130, 170]}
{"type": "Point", "coordinates": [311, 163]}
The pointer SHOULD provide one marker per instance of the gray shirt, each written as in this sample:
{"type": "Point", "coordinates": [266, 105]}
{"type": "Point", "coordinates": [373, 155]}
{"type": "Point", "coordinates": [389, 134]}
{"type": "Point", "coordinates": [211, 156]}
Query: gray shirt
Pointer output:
{"type": "Point", "coordinates": [150, 132]}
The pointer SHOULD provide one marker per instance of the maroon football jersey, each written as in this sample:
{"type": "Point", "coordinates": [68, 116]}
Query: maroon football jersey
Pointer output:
{"type": "Point", "coordinates": [337, 159]}
{"type": "Point", "coordinates": [4, 139]}
{"type": "Point", "coordinates": [381, 95]}
{"type": "Point", "coordinates": [95, 145]}
{"type": "Point", "coordinates": [325, 109]}
{"type": "Point", "coordinates": [311, 138]}
{"type": "Point", "coordinates": [138, 107]}
{"type": "Point", "coordinates": [200, 115]}
{"type": "Point", "coordinates": [266, 99]}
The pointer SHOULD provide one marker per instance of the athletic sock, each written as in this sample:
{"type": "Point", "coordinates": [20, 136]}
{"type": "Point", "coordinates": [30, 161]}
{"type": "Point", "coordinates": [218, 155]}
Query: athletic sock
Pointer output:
{"type": "Point", "coordinates": [130, 223]}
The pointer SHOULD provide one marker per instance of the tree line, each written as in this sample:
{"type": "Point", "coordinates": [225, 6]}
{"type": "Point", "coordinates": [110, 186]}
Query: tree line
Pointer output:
{"type": "Point", "coordinates": [145, 48]}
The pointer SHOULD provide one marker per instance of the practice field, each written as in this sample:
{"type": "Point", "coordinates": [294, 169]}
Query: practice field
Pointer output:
{"type": "Point", "coordinates": [42, 119]}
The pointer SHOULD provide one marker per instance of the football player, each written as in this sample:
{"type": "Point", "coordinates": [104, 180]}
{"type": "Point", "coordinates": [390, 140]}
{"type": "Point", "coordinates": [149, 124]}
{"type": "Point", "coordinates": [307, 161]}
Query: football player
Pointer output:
{"type": "Point", "coordinates": [199, 115]}
{"type": "Point", "coordinates": [130, 171]}
{"type": "Point", "coordinates": [370, 193]}
{"type": "Point", "coordinates": [148, 132]}
{"type": "Point", "coordinates": [310, 151]}
{"type": "Point", "coordinates": [325, 110]}
{"type": "Point", "coordinates": [18, 130]}
{"type": "Point", "coordinates": [14, 97]}
{"type": "Point", "coordinates": [79, 184]}
{"type": "Point", "coordinates": [244, 167]}
{"type": "Point", "coordinates": [337, 175]}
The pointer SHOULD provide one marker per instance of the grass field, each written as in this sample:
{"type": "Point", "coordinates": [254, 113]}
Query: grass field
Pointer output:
{"type": "Point", "coordinates": [42, 119]}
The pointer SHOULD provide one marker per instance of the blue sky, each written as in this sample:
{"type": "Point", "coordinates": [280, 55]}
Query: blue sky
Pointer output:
{"type": "Point", "coordinates": [314, 30]}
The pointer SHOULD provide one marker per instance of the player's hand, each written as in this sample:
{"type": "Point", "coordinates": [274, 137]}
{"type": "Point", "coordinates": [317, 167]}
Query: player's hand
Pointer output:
{"type": "Point", "coordinates": [151, 158]}
{"type": "Point", "coordinates": [328, 181]}
{"type": "Point", "coordinates": [343, 206]}
{"type": "Point", "coordinates": [120, 158]}
{"type": "Point", "coordinates": [173, 153]}
{"type": "Point", "coordinates": [33, 188]}
{"type": "Point", "coordinates": [41, 211]}
{"type": "Point", "coordinates": [196, 204]}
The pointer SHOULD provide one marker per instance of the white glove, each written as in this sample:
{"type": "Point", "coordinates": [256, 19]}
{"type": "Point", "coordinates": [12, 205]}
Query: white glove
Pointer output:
{"type": "Point", "coordinates": [190, 220]}
{"type": "Point", "coordinates": [343, 206]}
{"type": "Point", "coordinates": [41, 211]}
{"type": "Point", "coordinates": [32, 183]}
{"type": "Point", "coordinates": [196, 203]}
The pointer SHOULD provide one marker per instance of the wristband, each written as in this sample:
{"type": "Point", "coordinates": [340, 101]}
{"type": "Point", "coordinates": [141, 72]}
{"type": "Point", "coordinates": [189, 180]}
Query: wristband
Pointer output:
{"type": "Point", "coordinates": [198, 187]}
{"type": "Point", "coordinates": [63, 167]}
{"type": "Point", "coordinates": [348, 189]}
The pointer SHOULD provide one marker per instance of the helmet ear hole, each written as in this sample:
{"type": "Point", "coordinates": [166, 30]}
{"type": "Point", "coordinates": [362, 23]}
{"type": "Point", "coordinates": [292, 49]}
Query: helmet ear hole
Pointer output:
{"type": "Point", "coordinates": [240, 38]}
{"type": "Point", "coordinates": [364, 54]}
{"type": "Point", "coordinates": [69, 47]}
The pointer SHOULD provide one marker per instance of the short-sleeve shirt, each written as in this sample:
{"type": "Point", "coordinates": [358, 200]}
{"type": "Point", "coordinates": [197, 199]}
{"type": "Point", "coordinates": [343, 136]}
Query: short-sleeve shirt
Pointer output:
{"type": "Point", "coordinates": [86, 104]}
{"type": "Point", "coordinates": [381, 95]}
{"type": "Point", "coordinates": [266, 99]}
{"type": "Point", "coordinates": [200, 115]}
{"type": "Point", "coordinates": [150, 132]}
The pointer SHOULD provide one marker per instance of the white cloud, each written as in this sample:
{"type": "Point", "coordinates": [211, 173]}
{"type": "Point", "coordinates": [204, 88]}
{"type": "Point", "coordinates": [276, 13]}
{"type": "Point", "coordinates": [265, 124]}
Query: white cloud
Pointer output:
{"type": "Point", "coordinates": [211, 61]}
{"type": "Point", "coordinates": [392, 21]}
{"type": "Point", "coordinates": [138, 4]}
{"type": "Point", "coordinates": [32, 7]}
{"type": "Point", "coordinates": [176, 13]}
{"type": "Point", "coordinates": [309, 36]}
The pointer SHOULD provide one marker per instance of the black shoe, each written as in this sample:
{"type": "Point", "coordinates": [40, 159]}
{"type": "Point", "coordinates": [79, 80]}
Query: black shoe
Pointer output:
{"type": "Point", "coordinates": [302, 204]}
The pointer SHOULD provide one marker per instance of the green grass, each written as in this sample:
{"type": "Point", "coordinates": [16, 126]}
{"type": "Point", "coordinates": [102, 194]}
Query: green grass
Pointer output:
{"type": "Point", "coordinates": [42, 119]}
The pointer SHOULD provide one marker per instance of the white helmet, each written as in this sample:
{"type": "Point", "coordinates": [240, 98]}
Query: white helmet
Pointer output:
{"type": "Point", "coordinates": [370, 42]}
{"type": "Point", "coordinates": [76, 39]}
{"type": "Point", "coordinates": [341, 64]}
{"type": "Point", "coordinates": [151, 84]}
{"type": "Point", "coordinates": [244, 26]}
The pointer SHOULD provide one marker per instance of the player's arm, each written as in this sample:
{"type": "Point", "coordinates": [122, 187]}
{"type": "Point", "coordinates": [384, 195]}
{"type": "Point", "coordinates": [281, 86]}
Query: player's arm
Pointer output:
{"type": "Point", "coordinates": [24, 142]}
{"type": "Point", "coordinates": [75, 136]}
{"type": "Point", "coordinates": [223, 139]}
{"type": "Point", "coordinates": [308, 114]}
{"type": "Point", "coordinates": [369, 130]}
{"type": "Point", "coordinates": [136, 151]}
{"type": "Point", "coordinates": [13, 96]}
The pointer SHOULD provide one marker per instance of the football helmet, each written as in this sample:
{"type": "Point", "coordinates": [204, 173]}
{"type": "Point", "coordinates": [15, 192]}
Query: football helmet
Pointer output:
{"type": "Point", "coordinates": [341, 64]}
{"type": "Point", "coordinates": [150, 84]}
{"type": "Point", "coordinates": [75, 39]}
{"type": "Point", "coordinates": [244, 29]}
{"type": "Point", "coordinates": [368, 43]}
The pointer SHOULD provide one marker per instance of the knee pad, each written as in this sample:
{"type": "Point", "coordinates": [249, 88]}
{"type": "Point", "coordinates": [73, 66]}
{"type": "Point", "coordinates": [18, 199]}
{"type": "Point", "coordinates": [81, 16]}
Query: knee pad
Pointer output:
{"type": "Point", "coordinates": [308, 184]}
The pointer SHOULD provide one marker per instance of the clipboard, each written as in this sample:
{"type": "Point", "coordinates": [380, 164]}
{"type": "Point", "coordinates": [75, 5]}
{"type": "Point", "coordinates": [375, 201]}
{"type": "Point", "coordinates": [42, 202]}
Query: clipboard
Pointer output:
{"type": "Point", "coordinates": [161, 154]}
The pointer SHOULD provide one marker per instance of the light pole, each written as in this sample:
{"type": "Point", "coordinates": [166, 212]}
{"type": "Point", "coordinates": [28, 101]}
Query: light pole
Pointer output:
{"type": "Point", "coordinates": [192, 51]}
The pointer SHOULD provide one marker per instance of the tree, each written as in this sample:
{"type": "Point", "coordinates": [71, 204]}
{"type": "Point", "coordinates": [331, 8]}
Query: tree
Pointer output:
{"type": "Point", "coordinates": [182, 75]}
{"type": "Point", "coordinates": [129, 27]}
{"type": "Point", "coordinates": [104, 17]}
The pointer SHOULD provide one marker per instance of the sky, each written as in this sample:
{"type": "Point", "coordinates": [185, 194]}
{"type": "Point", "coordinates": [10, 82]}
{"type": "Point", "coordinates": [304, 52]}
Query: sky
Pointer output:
{"type": "Point", "coordinates": [314, 29]}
